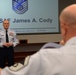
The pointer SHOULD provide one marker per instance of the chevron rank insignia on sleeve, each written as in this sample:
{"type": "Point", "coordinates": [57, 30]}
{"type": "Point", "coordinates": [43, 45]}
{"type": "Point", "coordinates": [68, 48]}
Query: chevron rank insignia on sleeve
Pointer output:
{"type": "Point", "coordinates": [20, 65]}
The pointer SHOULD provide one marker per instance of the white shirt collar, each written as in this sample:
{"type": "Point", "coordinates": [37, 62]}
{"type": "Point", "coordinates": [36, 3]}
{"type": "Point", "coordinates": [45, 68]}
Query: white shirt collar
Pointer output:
{"type": "Point", "coordinates": [71, 41]}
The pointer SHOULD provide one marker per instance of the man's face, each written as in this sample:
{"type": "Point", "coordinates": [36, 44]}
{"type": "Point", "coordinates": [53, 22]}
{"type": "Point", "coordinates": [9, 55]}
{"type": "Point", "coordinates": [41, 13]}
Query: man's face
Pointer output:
{"type": "Point", "coordinates": [6, 24]}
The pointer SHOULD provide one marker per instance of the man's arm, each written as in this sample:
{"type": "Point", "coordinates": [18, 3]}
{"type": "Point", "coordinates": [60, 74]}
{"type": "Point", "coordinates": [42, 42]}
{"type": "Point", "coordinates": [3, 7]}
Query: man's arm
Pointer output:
{"type": "Point", "coordinates": [30, 66]}
{"type": "Point", "coordinates": [15, 40]}
{"type": "Point", "coordinates": [0, 70]}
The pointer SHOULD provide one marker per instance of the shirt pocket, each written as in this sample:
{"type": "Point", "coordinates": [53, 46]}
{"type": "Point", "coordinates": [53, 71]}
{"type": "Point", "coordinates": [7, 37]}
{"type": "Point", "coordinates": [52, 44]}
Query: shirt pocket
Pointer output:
{"type": "Point", "coordinates": [2, 38]}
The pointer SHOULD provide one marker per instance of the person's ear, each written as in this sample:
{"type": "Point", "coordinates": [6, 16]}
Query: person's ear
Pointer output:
{"type": "Point", "coordinates": [63, 29]}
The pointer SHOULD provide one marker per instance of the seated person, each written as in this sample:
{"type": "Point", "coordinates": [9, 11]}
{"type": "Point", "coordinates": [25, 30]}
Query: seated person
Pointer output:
{"type": "Point", "coordinates": [52, 61]}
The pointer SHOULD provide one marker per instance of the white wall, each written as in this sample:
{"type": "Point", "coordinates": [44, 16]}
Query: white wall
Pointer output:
{"type": "Point", "coordinates": [40, 38]}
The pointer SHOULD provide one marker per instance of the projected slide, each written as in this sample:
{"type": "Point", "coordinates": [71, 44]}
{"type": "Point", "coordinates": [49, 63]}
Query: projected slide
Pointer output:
{"type": "Point", "coordinates": [30, 16]}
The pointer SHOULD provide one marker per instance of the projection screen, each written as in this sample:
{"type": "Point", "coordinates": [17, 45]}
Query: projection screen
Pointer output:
{"type": "Point", "coordinates": [30, 16]}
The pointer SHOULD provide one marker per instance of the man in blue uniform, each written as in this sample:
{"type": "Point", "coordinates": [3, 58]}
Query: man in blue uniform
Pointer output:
{"type": "Point", "coordinates": [49, 61]}
{"type": "Point", "coordinates": [8, 40]}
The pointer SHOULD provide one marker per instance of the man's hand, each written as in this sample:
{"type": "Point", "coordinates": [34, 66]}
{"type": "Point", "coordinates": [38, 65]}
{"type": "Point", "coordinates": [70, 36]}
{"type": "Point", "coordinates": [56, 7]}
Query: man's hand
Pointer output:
{"type": "Point", "coordinates": [62, 42]}
{"type": "Point", "coordinates": [7, 44]}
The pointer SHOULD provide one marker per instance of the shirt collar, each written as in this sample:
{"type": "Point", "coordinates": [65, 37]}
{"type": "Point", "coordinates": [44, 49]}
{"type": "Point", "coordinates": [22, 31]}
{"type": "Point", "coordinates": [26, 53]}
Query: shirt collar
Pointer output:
{"type": "Point", "coordinates": [71, 41]}
{"type": "Point", "coordinates": [5, 30]}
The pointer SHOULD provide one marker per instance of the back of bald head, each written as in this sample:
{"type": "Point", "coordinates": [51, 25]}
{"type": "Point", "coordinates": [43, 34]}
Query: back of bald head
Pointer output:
{"type": "Point", "coordinates": [68, 15]}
